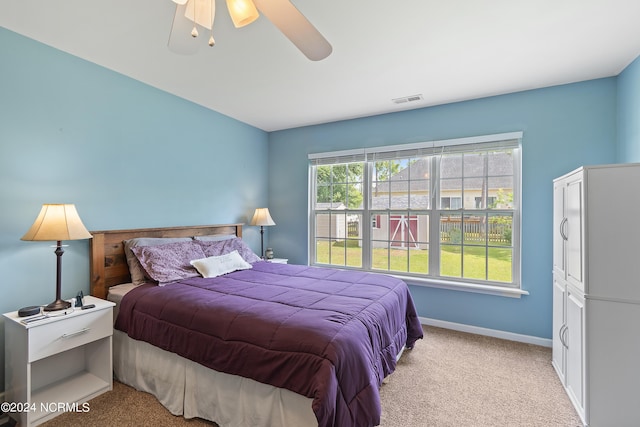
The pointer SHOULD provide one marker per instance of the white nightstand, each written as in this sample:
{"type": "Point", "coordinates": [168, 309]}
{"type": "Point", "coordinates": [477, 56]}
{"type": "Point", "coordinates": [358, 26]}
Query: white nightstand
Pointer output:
{"type": "Point", "coordinates": [60, 360]}
{"type": "Point", "coordinates": [278, 260]}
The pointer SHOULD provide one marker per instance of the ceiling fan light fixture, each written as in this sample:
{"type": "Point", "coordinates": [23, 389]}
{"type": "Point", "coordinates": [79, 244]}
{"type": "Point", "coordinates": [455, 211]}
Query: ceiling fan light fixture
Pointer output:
{"type": "Point", "coordinates": [201, 12]}
{"type": "Point", "coordinates": [243, 12]}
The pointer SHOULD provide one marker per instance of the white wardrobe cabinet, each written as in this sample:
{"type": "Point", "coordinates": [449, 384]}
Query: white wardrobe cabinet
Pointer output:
{"type": "Point", "coordinates": [596, 292]}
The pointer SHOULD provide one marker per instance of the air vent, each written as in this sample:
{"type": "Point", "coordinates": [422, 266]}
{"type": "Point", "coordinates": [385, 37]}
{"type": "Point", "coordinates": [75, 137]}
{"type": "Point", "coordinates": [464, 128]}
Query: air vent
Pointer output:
{"type": "Point", "coordinates": [405, 99]}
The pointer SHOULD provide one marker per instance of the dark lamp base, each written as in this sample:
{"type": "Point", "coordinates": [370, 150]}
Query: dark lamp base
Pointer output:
{"type": "Point", "coordinates": [57, 305]}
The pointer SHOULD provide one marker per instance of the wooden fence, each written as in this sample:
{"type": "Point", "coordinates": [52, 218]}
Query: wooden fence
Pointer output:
{"type": "Point", "coordinates": [474, 229]}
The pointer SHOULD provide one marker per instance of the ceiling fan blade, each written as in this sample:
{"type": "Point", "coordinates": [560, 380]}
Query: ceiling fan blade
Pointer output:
{"type": "Point", "coordinates": [293, 24]}
{"type": "Point", "coordinates": [180, 39]}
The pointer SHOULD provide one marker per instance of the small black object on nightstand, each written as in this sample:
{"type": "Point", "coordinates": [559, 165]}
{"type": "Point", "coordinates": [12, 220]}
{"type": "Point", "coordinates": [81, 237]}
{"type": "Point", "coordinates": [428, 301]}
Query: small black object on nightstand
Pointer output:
{"type": "Point", "coordinates": [79, 302]}
{"type": "Point", "coordinates": [28, 311]}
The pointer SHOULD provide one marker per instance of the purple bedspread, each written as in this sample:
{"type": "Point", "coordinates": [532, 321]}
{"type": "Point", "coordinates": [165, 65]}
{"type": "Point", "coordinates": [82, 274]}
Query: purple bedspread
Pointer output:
{"type": "Point", "coordinates": [327, 334]}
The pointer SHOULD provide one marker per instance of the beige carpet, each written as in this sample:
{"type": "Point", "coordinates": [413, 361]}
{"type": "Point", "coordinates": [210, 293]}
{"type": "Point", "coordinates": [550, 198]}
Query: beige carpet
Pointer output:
{"type": "Point", "coordinates": [449, 379]}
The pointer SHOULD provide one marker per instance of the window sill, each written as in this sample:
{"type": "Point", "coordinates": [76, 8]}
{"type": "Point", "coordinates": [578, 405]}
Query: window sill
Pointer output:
{"type": "Point", "coordinates": [477, 288]}
{"type": "Point", "coordinates": [464, 287]}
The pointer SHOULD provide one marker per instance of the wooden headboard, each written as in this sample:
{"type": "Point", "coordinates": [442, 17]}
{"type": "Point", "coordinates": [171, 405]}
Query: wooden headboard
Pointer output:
{"type": "Point", "coordinates": [109, 263]}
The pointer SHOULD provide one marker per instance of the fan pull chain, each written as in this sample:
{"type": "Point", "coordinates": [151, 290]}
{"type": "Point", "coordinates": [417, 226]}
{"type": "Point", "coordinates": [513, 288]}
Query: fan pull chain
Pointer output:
{"type": "Point", "coordinates": [211, 40]}
{"type": "Point", "coordinates": [194, 32]}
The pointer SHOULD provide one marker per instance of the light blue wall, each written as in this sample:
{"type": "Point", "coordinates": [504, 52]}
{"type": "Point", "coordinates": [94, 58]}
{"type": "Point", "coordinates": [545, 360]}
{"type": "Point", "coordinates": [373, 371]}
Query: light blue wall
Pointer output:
{"type": "Point", "coordinates": [126, 154]}
{"type": "Point", "coordinates": [629, 114]}
{"type": "Point", "coordinates": [564, 127]}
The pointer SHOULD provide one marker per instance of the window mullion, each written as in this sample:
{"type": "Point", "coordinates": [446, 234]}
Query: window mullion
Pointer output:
{"type": "Point", "coordinates": [366, 215]}
{"type": "Point", "coordinates": [434, 219]}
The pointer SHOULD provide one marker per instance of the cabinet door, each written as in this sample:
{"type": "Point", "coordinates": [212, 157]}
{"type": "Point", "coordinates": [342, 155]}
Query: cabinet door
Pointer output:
{"type": "Point", "coordinates": [559, 226]}
{"type": "Point", "coordinates": [614, 351]}
{"type": "Point", "coordinates": [573, 232]}
{"type": "Point", "coordinates": [558, 349]}
{"type": "Point", "coordinates": [575, 350]}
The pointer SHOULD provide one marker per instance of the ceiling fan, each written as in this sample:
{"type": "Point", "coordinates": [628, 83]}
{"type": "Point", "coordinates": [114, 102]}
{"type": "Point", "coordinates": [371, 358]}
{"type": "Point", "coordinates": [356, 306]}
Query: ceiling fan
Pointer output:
{"type": "Point", "coordinates": [282, 13]}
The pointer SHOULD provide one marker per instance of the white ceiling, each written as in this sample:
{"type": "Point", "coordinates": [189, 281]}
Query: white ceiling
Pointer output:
{"type": "Point", "coordinates": [446, 50]}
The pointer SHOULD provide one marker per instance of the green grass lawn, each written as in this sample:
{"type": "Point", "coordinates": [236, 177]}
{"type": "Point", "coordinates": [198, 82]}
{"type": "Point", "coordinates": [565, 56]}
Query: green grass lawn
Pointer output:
{"type": "Point", "coordinates": [417, 261]}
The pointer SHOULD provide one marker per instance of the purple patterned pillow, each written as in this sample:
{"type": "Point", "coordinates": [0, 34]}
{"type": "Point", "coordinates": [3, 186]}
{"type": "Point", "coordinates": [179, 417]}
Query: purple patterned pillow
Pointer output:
{"type": "Point", "coordinates": [138, 275]}
{"type": "Point", "coordinates": [169, 263]}
{"type": "Point", "coordinates": [222, 247]}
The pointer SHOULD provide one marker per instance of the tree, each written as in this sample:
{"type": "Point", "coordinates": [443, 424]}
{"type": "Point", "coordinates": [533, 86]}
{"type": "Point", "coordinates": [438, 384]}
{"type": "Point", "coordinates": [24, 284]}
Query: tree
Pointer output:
{"type": "Point", "coordinates": [385, 170]}
{"type": "Point", "coordinates": [340, 184]}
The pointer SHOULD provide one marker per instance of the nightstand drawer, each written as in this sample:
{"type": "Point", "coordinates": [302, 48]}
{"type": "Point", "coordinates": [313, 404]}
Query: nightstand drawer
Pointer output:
{"type": "Point", "coordinates": [57, 336]}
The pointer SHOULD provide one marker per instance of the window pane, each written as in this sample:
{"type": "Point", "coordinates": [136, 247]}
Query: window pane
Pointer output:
{"type": "Point", "coordinates": [339, 196]}
{"type": "Point", "coordinates": [323, 225]}
{"type": "Point", "coordinates": [500, 229]}
{"type": "Point", "coordinates": [501, 189]}
{"type": "Point", "coordinates": [399, 195]}
{"type": "Point", "coordinates": [474, 262]}
{"type": "Point", "coordinates": [474, 228]}
{"type": "Point", "coordinates": [474, 165]}
{"type": "Point", "coordinates": [474, 188]}
{"type": "Point", "coordinates": [338, 229]}
{"type": "Point", "coordinates": [380, 226]}
{"type": "Point", "coordinates": [500, 265]}
{"type": "Point", "coordinates": [380, 255]}
{"type": "Point", "coordinates": [356, 171]}
{"type": "Point", "coordinates": [353, 244]}
{"type": "Point", "coordinates": [380, 199]}
{"type": "Point", "coordinates": [339, 239]}
{"type": "Point", "coordinates": [339, 186]}
{"type": "Point", "coordinates": [339, 174]}
{"type": "Point", "coordinates": [500, 163]}
{"type": "Point", "coordinates": [403, 230]}
{"type": "Point", "coordinates": [399, 259]}
{"type": "Point", "coordinates": [323, 197]}
{"type": "Point", "coordinates": [399, 241]}
{"type": "Point", "coordinates": [450, 249]}
{"type": "Point", "coordinates": [396, 170]}
{"type": "Point", "coordinates": [354, 253]}
{"type": "Point", "coordinates": [451, 166]}
{"type": "Point", "coordinates": [419, 259]}
{"type": "Point", "coordinates": [323, 175]}
{"type": "Point", "coordinates": [450, 261]}
{"type": "Point", "coordinates": [379, 241]}
{"type": "Point", "coordinates": [338, 252]}
{"type": "Point", "coordinates": [354, 223]}
{"type": "Point", "coordinates": [419, 194]}
{"type": "Point", "coordinates": [451, 229]}
{"type": "Point", "coordinates": [322, 251]}
{"type": "Point", "coordinates": [355, 186]}
{"type": "Point", "coordinates": [450, 193]}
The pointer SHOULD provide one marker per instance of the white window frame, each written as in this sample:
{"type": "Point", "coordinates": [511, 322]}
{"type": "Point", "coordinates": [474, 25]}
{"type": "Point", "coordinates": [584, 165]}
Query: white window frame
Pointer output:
{"type": "Point", "coordinates": [367, 156]}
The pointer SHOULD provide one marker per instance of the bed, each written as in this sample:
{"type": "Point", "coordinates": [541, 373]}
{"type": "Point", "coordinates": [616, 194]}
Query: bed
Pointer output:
{"type": "Point", "coordinates": [264, 344]}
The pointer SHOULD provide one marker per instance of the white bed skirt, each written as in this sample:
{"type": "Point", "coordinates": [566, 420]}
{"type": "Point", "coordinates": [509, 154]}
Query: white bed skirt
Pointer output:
{"type": "Point", "coordinates": [192, 390]}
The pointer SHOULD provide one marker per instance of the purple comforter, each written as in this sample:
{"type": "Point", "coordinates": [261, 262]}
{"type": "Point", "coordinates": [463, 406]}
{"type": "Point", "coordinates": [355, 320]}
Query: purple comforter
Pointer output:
{"type": "Point", "coordinates": [327, 334]}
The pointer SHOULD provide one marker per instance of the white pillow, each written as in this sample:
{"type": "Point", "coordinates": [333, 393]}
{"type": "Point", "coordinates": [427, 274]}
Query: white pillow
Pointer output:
{"type": "Point", "coordinates": [215, 266]}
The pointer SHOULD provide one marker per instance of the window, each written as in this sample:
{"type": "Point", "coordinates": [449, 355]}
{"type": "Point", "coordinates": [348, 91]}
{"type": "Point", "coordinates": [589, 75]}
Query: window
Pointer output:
{"type": "Point", "coordinates": [445, 211]}
{"type": "Point", "coordinates": [451, 202]}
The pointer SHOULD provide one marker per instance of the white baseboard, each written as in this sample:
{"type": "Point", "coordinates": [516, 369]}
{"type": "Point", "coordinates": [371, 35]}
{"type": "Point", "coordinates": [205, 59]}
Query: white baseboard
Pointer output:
{"type": "Point", "coordinates": [528, 339]}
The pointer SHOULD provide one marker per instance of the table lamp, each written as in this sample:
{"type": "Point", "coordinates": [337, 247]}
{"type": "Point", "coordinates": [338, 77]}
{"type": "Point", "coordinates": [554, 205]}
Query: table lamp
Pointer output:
{"type": "Point", "coordinates": [57, 222]}
{"type": "Point", "coordinates": [262, 218]}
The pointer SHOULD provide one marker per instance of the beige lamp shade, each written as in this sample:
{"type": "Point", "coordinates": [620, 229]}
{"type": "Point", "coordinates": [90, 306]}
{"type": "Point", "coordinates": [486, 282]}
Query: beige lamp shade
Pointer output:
{"type": "Point", "coordinates": [262, 217]}
{"type": "Point", "coordinates": [57, 222]}
{"type": "Point", "coordinates": [243, 12]}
